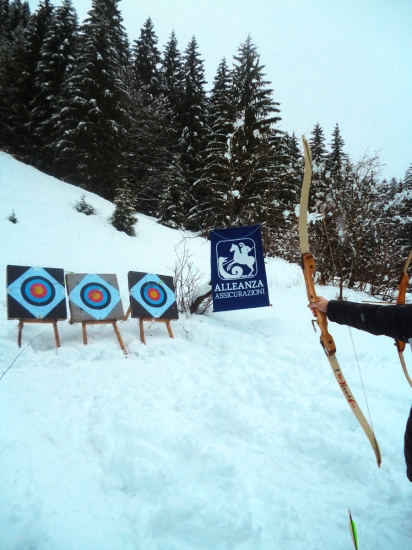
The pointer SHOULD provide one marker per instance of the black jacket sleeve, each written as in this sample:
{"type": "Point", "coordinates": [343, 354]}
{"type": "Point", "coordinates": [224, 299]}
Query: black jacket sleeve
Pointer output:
{"type": "Point", "coordinates": [408, 447]}
{"type": "Point", "coordinates": [393, 321]}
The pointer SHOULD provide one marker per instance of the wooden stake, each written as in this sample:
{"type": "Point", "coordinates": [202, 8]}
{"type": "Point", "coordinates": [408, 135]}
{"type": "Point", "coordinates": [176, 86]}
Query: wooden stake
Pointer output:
{"type": "Point", "coordinates": [116, 329]}
{"type": "Point", "coordinates": [169, 329]}
{"type": "Point", "coordinates": [107, 322]}
{"type": "Point", "coordinates": [20, 331]}
{"type": "Point", "coordinates": [56, 335]}
{"type": "Point", "coordinates": [141, 328]}
{"type": "Point", "coordinates": [22, 322]}
{"type": "Point", "coordinates": [150, 320]}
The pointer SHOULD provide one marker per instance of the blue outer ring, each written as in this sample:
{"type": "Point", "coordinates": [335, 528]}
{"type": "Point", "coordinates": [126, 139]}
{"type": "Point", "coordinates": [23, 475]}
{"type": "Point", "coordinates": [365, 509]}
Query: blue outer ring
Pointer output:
{"type": "Point", "coordinates": [100, 288]}
{"type": "Point", "coordinates": [146, 299]}
{"type": "Point", "coordinates": [45, 300]}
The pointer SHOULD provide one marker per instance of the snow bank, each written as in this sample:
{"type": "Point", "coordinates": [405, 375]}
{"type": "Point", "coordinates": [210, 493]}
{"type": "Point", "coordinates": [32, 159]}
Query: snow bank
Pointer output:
{"type": "Point", "coordinates": [233, 435]}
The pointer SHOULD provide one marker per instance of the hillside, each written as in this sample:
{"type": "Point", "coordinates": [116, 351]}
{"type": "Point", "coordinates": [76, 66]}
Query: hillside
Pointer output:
{"type": "Point", "coordinates": [232, 435]}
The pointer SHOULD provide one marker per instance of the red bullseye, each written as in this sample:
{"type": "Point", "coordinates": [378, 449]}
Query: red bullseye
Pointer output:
{"type": "Point", "coordinates": [154, 294]}
{"type": "Point", "coordinates": [38, 290]}
{"type": "Point", "coordinates": [95, 296]}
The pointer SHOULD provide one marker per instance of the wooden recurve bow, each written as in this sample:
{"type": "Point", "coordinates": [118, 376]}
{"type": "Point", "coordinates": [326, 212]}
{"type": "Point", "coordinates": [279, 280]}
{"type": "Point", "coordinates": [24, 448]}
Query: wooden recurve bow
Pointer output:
{"type": "Point", "coordinates": [328, 344]}
{"type": "Point", "coordinates": [400, 300]}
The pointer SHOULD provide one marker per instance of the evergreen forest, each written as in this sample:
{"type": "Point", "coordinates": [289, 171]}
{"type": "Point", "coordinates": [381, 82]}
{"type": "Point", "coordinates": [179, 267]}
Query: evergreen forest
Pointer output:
{"type": "Point", "coordinates": [134, 123]}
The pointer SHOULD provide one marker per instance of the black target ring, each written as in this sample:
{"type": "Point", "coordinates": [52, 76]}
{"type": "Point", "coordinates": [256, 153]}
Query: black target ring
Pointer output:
{"type": "Point", "coordinates": [47, 291]}
{"type": "Point", "coordinates": [145, 293]}
{"type": "Point", "coordinates": [87, 292]}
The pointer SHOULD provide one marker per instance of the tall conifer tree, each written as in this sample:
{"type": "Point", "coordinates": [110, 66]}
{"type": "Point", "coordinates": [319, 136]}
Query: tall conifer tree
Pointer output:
{"type": "Point", "coordinates": [26, 56]}
{"type": "Point", "coordinates": [193, 118]}
{"type": "Point", "coordinates": [91, 122]}
{"type": "Point", "coordinates": [57, 62]}
{"type": "Point", "coordinates": [124, 215]}
{"type": "Point", "coordinates": [4, 16]}
{"type": "Point", "coordinates": [15, 17]}
{"type": "Point", "coordinates": [254, 139]}
{"type": "Point", "coordinates": [336, 157]}
{"type": "Point", "coordinates": [152, 158]}
{"type": "Point", "coordinates": [282, 197]}
{"type": "Point", "coordinates": [319, 159]}
{"type": "Point", "coordinates": [172, 201]}
{"type": "Point", "coordinates": [173, 82]}
{"type": "Point", "coordinates": [408, 178]}
{"type": "Point", "coordinates": [146, 61]}
{"type": "Point", "coordinates": [317, 145]}
{"type": "Point", "coordinates": [335, 184]}
{"type": "Point", "coordinates": [149, 156]}
{"type": "Point", "coordinates": [403, 215]}
{"type": "Point", "coordinates": [214, 204]}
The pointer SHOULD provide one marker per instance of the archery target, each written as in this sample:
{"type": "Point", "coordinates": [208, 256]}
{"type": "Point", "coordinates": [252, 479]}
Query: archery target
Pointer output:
{"type": "Point", "coordinates": [38, 291]}
{"type": "Point", "coordinates": [152, 296]}
{"type": "Point", "coordinates": [35, 292]}
{"type": "Point", "coordinates": [94, 296]}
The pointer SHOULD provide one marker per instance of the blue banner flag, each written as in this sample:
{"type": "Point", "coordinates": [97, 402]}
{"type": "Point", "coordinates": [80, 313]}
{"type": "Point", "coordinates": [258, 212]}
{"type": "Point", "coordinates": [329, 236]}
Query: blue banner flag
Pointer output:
{"type": "Point", "coordinates": [238, 269]}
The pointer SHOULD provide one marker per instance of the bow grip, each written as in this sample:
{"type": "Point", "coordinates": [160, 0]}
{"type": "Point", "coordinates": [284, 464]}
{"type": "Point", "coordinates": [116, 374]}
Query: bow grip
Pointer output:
{"type": "Point", "coordinates": [400, 345]}
{"type": "Point", "coordinates": [400, 300]}
{"type": "Point", "coordinates": [402, 288]}
{"type": "Point", "coordinates": [309, 268]}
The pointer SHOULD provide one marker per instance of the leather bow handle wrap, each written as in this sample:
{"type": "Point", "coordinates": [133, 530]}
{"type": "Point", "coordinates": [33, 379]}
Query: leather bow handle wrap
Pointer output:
{"type": "Point", "coordinates": [401, 300]}
{"type": "Point", "coordinates": [309, 268]}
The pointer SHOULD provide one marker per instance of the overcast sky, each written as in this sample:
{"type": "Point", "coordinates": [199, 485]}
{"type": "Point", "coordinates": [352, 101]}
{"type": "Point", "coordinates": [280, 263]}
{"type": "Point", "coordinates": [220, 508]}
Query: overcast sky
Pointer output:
{"type": "Point", "coordinates": [345, 61]}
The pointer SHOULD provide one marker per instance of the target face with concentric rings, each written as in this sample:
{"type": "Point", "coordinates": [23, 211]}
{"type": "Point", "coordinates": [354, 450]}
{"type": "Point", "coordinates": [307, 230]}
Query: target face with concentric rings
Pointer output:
{"type": "Point", "coordinates": [152, 295]}
{"type": "Point", "coordinates": [38, 291]}
{"type": "Point", "coordinates": [35, 292]}
{"type": "Point", "coordinates": [93, 296]}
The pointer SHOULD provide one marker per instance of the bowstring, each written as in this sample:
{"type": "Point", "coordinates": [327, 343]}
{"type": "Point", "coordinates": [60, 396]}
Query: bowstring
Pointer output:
{"type": "Point", "coordinates": [330, 246]}
{"type": "Point", "coordinates": [361, 378]}
{"type": "Point", "coordinates": [350, 332]}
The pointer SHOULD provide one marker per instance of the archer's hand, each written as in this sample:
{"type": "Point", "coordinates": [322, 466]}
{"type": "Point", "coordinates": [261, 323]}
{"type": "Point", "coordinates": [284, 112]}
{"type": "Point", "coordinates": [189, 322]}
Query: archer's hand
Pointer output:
{"type": "Point", "coordinates": [321, 305]}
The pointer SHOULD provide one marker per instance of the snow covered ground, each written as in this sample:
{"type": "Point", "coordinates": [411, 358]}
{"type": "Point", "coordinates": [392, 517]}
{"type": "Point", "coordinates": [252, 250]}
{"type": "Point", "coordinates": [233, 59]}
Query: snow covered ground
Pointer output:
{"type": "Point", "coordinates": [233, 435]}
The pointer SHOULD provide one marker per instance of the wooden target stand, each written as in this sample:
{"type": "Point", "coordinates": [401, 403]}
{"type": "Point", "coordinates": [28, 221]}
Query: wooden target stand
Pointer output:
{"type": "Point", "coordinates": [106, 322]}
{"type": "Point", "coordinates": [149, 320]}
{"type": "Point", "coordinates": [22, 322]}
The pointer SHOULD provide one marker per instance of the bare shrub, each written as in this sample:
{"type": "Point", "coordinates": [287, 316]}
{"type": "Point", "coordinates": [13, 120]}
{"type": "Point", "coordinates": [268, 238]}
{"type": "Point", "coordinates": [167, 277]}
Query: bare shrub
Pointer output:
{"type": "Point", "coordinates": [191, 297]}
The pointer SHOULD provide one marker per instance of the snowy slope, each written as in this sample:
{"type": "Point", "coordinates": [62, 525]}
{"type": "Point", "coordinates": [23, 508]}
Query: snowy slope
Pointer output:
{"type": "Point", "coordinates": [233, 435]}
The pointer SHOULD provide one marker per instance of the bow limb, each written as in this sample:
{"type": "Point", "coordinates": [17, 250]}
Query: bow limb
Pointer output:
{"type": "Point", "coordinates": [400, 300]}
{"type": "Point", "coordinates": [328, 344]}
